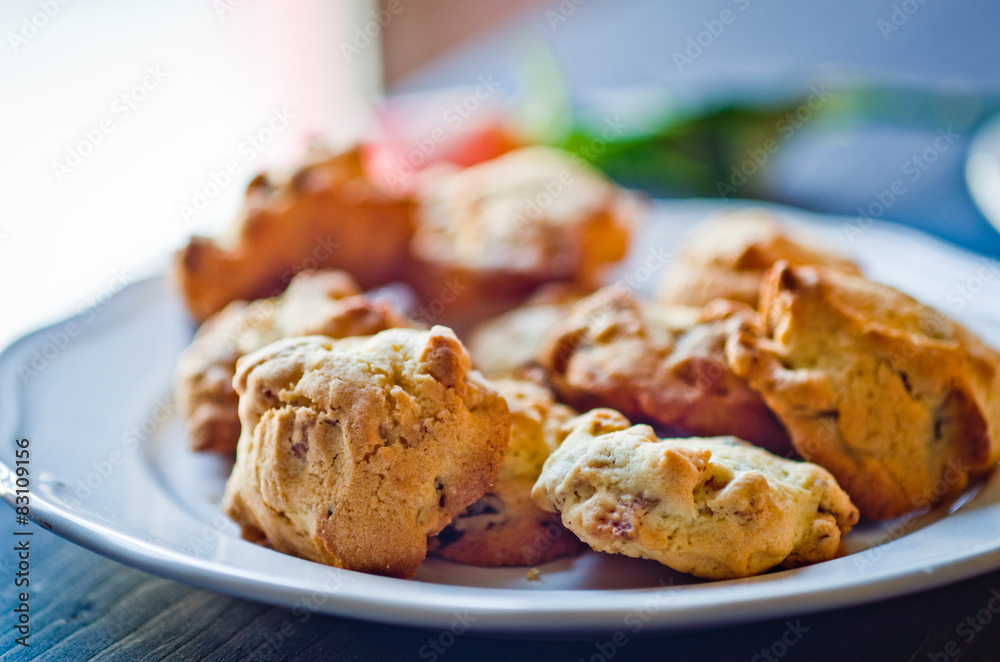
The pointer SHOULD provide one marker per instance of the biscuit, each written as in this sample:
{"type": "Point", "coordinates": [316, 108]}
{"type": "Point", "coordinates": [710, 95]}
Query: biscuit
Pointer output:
{"type": "Point", "coordinates": [727, 257]}
{"type": "Point", "coordinates": [505, 527]}
{"type": "Point", "coordinates": [658, 363]}
{"type": "Point", "coordinates": [896, 400]}
{"type": "Point", "coordinates": [714, 508]}
{"type": "Point", "coordinates": [329, 214]}
{"type": "Point", "coordinates": [353, 452]}
{"type": "Point", "coordinates": [508, 345]}
{"type": "Point", "coordinates": [497, 230]}
{"type": "Point", "coordinates": [325, 303]}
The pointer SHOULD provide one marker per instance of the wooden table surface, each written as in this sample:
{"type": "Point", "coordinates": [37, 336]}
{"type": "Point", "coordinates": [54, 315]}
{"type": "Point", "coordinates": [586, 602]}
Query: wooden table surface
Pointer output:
{"type": "Point", "coordinates": [86, 607]}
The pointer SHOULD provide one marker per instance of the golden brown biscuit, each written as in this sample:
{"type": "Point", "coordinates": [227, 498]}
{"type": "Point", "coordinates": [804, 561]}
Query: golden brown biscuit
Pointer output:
{"type": "Point", "coordinates": [508, 345]}
{"type": "Point", "coordinates": [355, 451]}
{"type": "Point", "coordinates": [496, 231]}
{"type": "Point", "coordinates": [659, 363]}
{"type": "Point", "coordinates": [729, 254]}
{"type": "Point", "coordinates": [325, 303]}
{"type": "Point", "coordinates": [894, 399]}
{"type": "Point", "coordinates": [715, 508]}
{"type": "Point", "coordinates": [329, 214]}
{"type": "Point", "coordinates": [505, 527]}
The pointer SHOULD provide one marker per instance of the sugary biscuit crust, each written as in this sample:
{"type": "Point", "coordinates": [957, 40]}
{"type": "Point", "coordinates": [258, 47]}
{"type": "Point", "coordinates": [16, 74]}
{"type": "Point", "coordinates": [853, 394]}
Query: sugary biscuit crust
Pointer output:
{"type": "Point", "coordinates": [505, 527]}
{"type": "Point", "coordinates": [508, 345]}
{"type": "Point", "coordinates": [715, 508]}
{"type": "Point", "coordinates": [355, 451]}
{"type": "Point", "coordinates": [658, 363]}
{"type": "Point", "coordinates": [501, 228]}
{"type": "Point", "coordinates": [899, 402]}
{"type": "Point", "coordinates": [504, 346]}
{"type": "Point", "coordinates": [728, 255]}
{"type": "Point", "coordinates": [325, 303]}
{"type": "Point", "coordinates": [328, 214]}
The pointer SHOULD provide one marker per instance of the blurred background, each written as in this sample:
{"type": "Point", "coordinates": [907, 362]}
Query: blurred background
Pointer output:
{"type": "Point", "coordinates": [127, 126]}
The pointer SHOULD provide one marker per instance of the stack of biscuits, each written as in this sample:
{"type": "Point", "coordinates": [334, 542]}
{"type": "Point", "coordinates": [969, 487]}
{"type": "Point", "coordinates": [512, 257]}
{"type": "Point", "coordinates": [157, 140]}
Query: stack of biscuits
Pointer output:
{"type": "Point", "coordinates": [741, 421]}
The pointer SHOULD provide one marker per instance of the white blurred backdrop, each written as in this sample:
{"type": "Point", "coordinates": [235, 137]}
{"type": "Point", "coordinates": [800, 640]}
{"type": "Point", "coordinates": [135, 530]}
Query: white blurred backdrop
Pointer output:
{"type": "Point", "coordinates": [119, 121]}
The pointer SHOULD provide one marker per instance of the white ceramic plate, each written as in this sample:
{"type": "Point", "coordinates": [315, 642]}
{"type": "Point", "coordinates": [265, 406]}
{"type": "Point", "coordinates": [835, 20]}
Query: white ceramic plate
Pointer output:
{"type": "Point", "coordinates": [110, 471]}
{"type": "Point", "coordinates": [982, 170]}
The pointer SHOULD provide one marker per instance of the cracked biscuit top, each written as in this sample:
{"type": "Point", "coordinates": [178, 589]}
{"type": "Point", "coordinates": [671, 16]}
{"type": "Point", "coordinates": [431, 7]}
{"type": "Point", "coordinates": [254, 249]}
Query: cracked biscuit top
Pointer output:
{"type": "Point", "coordinates": [328, 214]}
{"type": "Point", "coordinates": [325, 303]}
{"type": "Point", "coordinates": [354, 451]}
{"type": "Point", "coordinates": [728, 255]}
{"type": "Point", "coordinates": [897, 401]}
{"type": "Point", "coordinates": [658, 363]}
{"type": "Point", "coordinates": [503, 227]}
{"type": "Point", "coordinates": [716, 508]}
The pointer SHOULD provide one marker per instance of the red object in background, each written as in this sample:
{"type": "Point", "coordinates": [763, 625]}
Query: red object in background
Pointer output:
{"type": "Point", "coordinates": [404, 150]}
{"type": "Point", "coordinates": [483, 144]}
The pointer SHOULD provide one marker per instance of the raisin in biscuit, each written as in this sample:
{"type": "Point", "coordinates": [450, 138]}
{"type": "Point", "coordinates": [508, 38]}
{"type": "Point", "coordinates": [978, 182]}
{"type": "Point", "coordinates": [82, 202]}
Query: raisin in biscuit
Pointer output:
{"type": "Point", "coordinates": [355, 451]}
{"type": "Point", "coordinates": [898, 402]}
{"type": "Point", "coordinates": [329, 214]}
{"type": "Point", "coordinates": [505, 527]}
{"type": "Point", "coordinates": [658, 363]}
{"type": "Point", "coordinates": [325, 303]}
{"type": "Point", "coordinates": [497, 230]}
{"type": "Point", "coordinates": [729, 254]}
{"type": "Point", "coordinates": [715, 508]}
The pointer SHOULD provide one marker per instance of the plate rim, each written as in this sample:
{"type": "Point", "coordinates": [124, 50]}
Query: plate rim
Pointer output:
{"type": "Point", "coordinates": [415, 609]}
{"type": "Point", "coordinates": [987, 203]}
{"type": "Point", "coordinates": [497, 610]}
